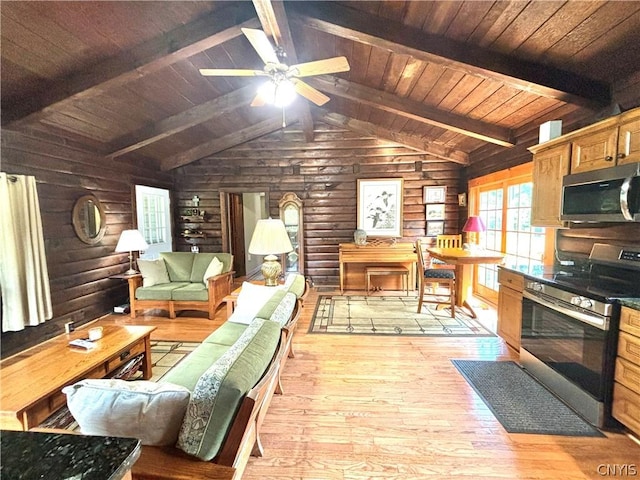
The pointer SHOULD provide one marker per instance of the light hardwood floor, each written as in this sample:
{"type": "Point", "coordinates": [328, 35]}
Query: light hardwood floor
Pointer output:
{"type": "Point", "coordinates": [367, 407]}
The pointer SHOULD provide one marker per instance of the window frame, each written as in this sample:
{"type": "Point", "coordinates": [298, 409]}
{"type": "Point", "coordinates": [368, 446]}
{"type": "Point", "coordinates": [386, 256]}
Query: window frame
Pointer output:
{"type": "Point", "coordinates": [155, 248]}
{"type": "Point", "coordinates": [503, 180]}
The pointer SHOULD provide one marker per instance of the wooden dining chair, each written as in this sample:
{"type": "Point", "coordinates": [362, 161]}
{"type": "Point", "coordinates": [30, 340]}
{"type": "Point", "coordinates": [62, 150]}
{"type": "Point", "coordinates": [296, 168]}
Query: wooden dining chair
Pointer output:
{"type": "Point", "coordinates": [449, 241]}
{"type": "Point", "coordinates": [434, 278]}
{"type": "Point", "coordinates": [446, 241]}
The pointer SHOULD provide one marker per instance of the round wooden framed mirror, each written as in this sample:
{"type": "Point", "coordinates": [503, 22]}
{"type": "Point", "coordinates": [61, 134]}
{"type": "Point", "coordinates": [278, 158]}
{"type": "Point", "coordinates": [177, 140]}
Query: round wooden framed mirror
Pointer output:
{"type": "Point", "coordinates": [88, 219]}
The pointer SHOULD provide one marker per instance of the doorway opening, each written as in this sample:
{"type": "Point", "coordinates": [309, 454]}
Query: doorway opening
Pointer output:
{"type": "Point", "coordinates": [240, 211]}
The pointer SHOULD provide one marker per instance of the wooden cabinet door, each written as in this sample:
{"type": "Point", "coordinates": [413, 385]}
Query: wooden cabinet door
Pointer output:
{"type": "Point", "coordinates": [629, 142]}
{"type": "Point", "coordinates": [510, 316]}
{"type": "Point", "coordinates": [548, 169]}
{"type": "Point", "coordinates": [594, 150]}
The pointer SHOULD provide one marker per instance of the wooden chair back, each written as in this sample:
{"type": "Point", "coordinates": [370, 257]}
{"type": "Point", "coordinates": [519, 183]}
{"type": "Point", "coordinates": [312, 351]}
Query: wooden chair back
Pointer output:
{"type": "Point", "coordinates": [434, 279]}
{"type": "Point", "coordinates": [449, 241]}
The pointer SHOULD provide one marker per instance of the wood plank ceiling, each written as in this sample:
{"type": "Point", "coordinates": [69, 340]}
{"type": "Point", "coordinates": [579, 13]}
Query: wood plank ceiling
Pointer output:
{"type": "Point", "coordinates": [443, 78]}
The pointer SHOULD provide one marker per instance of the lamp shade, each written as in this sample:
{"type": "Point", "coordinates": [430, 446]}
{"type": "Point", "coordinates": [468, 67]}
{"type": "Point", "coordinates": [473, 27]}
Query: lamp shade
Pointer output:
{"type": "Point", "coordinates": [270, 238]}
{"type": "Point", "coordinates": [474, 224]}
{"type": "Point", "coordinates": [131, 241]}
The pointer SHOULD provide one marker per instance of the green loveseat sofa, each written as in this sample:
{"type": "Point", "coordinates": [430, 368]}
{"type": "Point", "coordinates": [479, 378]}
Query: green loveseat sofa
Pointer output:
{"type": "Point", "coordinates": [175, 282]}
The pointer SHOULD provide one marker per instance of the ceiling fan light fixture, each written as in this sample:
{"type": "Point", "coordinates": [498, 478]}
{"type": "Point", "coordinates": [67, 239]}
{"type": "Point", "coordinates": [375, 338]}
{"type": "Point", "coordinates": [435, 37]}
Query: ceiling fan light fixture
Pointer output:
{"type": "Point", "coordinates": [278, 92]}
{"type": "Point", "coordinates": [285, 93]}
{"type": "Point", "coordinates": [267, 91]}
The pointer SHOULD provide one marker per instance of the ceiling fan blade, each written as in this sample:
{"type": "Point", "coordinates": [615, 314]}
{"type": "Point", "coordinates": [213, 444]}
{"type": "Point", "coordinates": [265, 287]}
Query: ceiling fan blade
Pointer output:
{"type": "Point", "coordinates": [307, 91]}
{"type": "Point", "coordinates": [230, 72]}
{"type": "Point", "coordinates": [319, 67]}
{"type": "Point", "coordinates": [261, 44]}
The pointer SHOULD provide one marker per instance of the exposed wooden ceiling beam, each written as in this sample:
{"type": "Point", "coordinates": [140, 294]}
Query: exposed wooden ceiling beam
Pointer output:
{"type": "Point", "coordinates": [275, 24]}
{"type": "Point", "coordinates": [413, 110]}
{"type": "Point", "coordinates": [410, 141]}
{"type": "Point", "coordinates": [183, 120]}
{"type": "Point", "coordinates": [151, 56]}
{"type": "Point", "coordinates": [398, 38]}
{"type": "Point", "coordinates": [223, 143]}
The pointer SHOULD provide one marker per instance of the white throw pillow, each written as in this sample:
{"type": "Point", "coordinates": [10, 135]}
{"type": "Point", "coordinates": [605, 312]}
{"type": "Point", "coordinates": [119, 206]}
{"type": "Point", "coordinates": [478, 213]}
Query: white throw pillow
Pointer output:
{"type": "Point", "coordinates": [154, 272]}
{"type": "Point", "coordinates": [214, 268]}
{"type": "Point", "coordinates": [250, 300]}
{"type": "Point", "coordinates": [152, 412]}
{"type": "Point", "coordinates": [242, 315]}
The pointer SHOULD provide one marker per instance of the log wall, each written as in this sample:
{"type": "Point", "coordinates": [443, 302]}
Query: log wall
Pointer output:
{"type": "Point", "coordinates": [81, 289]}
{"type": "Point", "coordinates": [324, 175]}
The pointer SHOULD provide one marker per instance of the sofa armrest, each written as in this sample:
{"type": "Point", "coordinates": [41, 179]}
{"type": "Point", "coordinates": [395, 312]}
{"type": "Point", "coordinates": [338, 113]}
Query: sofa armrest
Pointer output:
{"type": "Point", "coordinates": [307, 287]}
{"type": "Point", "coordinates": [134, 281]}
{"type": "Point", "coordinates": [231, 300]}
{"type": "Point", "coordinates": [219, 287]}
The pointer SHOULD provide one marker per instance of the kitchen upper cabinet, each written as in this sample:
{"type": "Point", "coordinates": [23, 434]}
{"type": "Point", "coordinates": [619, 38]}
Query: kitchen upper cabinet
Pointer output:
{"type": "Point", "coordinates": [549, 166]}
{"type": "Point", "coordinates": [594, 151]}
{"type": "Point", "coordinates": [629, 140]}
{"type": "Point", "coordinates": [614, 141]}
{"type": "Point", "coordinates": [610, 142]}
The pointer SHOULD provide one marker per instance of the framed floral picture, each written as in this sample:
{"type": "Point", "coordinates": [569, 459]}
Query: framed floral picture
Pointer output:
{"type": "Point", "coordinates": [434, 194]}
{"type": "Point", "coordinates": [435, 228]}
{"type": "Point", "coordinates": [435, 211]}
{"type": "Point", "coordinates": [380, 206]}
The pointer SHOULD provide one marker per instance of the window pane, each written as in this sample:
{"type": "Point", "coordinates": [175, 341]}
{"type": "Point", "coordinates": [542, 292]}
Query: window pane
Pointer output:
{"type": "Point", "coordinates": [525, 245]}
{"type": "Point", "coordinates": [153, 215]}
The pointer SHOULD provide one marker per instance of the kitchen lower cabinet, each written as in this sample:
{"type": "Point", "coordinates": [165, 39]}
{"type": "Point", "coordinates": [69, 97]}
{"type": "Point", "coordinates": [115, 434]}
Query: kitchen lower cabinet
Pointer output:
{"type": "Point", "coordinates": [510, 306]}
{"type": "Point", "coordinates": [626, 389]}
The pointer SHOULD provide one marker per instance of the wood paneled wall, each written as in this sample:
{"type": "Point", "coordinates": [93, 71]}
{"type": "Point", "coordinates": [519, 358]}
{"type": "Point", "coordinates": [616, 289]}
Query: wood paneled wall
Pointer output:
{"type": "Point", "coordinates": [79, 274]}
{"type": "Point", "coordinates": [324, 175]}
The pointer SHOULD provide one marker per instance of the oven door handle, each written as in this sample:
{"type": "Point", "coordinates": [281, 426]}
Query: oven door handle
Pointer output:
{"type": "Point", "coordinates": [601, 323]}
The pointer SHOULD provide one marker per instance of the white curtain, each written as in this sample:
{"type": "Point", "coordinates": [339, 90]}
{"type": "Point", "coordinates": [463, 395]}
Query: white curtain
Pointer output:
{"type": "Point", "coordinates": [24, 278]}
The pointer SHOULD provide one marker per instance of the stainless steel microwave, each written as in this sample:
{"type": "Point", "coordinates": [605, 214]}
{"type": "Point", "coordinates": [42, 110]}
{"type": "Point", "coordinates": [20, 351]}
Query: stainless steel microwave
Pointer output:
{"type": "Point", "coordinates": [606, 195]}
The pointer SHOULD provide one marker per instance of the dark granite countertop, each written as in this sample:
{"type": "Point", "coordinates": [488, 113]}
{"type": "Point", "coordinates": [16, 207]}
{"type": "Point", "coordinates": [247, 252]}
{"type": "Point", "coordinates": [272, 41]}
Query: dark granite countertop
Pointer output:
{"type": "Point", "coordinates": [531, 270]}
{"type": "Point", "coordinates": [53, 456]}
{"type": "Point", "coordinates": [631, 303]}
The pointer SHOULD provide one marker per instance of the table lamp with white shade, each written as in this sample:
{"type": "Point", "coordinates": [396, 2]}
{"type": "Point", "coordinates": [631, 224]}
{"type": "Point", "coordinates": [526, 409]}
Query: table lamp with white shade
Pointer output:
{"type": "Point", "coordinates": [270, 238]}
{"type": "Point", "coordinates": [130, 241]}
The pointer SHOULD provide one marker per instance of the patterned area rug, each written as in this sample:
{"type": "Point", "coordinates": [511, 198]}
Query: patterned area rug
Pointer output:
{"type": "Point", "coordinates": [519, 402]}
{"type": "Point", "coordinates": [389, 315]}
{"type": "Point", "coordinates": [164, 356]}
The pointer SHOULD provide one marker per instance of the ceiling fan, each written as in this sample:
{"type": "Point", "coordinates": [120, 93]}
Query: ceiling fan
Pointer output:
{"type": "Point", "coordinates": [284, 79]}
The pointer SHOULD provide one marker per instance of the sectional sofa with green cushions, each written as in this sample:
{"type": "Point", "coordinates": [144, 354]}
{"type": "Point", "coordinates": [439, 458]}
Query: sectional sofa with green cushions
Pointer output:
{"type": "Point", "coordinates": [263, 316]}
{"type": "Point", "coordinates": [176, 281]}
{"type": "Point", "coordinates": [230, 378]}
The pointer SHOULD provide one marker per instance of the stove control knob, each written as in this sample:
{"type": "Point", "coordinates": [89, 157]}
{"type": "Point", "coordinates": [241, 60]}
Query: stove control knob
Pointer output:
{"type": "Point", "coordinates": [586, 303]}
{"type": "Point", "coordinates": [576, 301]}
{"type": "Point", "coordinates": [536, 286]}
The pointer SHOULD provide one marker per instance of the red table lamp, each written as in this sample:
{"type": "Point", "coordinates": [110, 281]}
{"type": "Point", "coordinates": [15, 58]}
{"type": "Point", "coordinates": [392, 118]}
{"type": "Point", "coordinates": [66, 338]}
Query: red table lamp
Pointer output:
{"type": "Point", "coordinates": [472, 227]}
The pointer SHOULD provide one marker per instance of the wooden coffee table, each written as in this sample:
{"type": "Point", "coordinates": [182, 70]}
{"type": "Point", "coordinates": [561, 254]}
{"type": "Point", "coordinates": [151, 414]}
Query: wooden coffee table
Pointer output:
{"type": "Point", "coordinates": [31, 381]}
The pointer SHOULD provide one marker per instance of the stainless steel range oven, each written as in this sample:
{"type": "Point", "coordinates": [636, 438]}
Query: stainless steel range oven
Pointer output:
{"type": "Point", "coordinates": [570, 328]}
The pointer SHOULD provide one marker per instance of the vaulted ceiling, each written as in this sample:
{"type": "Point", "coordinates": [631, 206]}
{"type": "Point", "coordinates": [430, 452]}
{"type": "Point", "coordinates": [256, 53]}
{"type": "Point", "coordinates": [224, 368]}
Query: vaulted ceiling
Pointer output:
{"type": "Point", "coordinates": [446, 78]}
